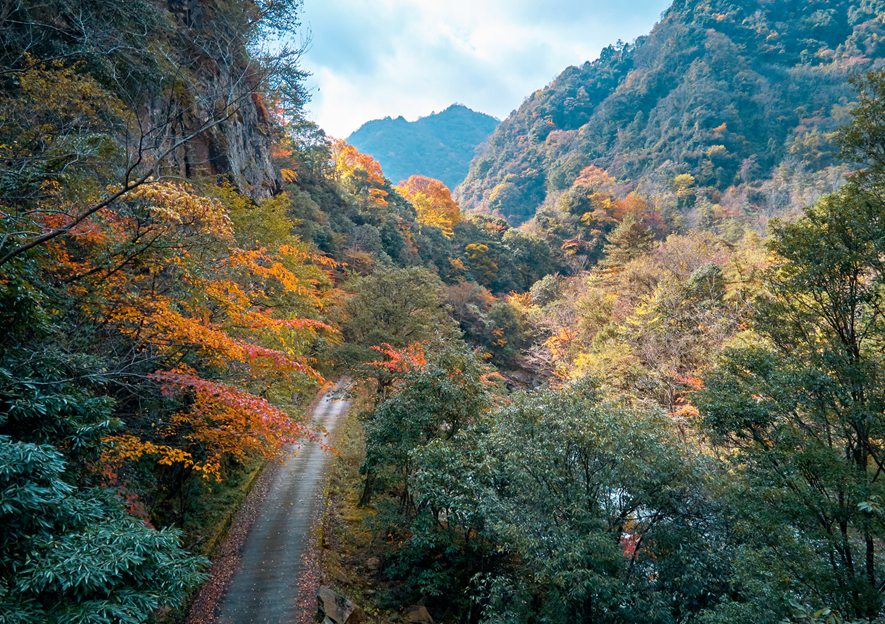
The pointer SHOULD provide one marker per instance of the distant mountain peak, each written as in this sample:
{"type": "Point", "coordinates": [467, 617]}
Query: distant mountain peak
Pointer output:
{"type": "Point", "coordinates": [440, 145]}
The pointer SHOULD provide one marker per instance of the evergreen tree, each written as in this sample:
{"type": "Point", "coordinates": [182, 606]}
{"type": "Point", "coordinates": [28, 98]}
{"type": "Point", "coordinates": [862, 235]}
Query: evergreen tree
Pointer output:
{"type": "Point", "coordinates": [71, 555]}
{"type": "Point", "coordinates": [627, 241]}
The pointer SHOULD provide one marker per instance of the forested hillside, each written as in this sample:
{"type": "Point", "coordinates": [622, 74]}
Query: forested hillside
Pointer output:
{"type": "Point", "coordinates": [182, 258]}
{"type": "Point", "coordinates": [658, 401]}
{"type": "Point", "coordinates": [731, 93]}
{"type": "Point", "coordinates": [438, 146]}
{"type": "Point", "coordinates": [707, 448]}
{"type": "Point", "coordinates": [157, 312]}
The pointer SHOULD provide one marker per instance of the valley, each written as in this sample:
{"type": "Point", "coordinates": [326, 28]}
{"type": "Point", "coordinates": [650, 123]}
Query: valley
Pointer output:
{"type": "Point", "coordinates": [616, 358]}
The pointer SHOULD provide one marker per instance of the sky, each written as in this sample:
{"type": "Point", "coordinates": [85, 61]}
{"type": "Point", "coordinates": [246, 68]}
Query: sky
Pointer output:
{"type": "Point", "coordinates": [371, 59]}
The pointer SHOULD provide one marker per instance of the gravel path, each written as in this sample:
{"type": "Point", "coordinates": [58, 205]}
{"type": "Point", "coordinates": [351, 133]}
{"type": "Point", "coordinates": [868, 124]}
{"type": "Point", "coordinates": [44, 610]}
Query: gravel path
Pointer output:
{"type": "Point", "coordinates": [264, 588]}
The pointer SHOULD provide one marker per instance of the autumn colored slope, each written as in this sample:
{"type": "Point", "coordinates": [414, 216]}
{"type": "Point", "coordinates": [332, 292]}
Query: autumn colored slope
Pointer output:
{"type": "Point", "coordinates": [723, 90]}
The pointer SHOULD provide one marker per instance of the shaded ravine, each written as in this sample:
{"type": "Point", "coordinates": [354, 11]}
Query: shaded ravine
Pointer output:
{"type": "Point", "coordinates": [265, 587]}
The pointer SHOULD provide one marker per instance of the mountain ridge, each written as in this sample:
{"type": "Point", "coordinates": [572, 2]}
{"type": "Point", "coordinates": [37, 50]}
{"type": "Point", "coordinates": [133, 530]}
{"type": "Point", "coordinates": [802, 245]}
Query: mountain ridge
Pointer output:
{"type": "Point", "coordinates": [724, 91]}
{"type": "Point", "coordinates": [440, 145]}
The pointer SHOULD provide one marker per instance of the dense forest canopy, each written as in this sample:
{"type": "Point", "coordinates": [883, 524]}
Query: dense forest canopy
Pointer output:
{"type": "Point", "coordinates": [657, 401]}
{"type": "Point", "coordinates": [710, 451]}
{"type": "Point", "coordinates": [731, 93]}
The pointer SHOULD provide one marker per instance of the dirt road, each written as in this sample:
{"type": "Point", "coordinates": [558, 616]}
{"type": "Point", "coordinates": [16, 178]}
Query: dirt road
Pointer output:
{"type": "Point", "coordinates": [264, 588]}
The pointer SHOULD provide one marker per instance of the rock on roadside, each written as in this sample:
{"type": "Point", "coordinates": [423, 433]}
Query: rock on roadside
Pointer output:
{"type": "Point", "coordinates": [419, 615]}
{"type": "Point", "coordinates": [335, 608]}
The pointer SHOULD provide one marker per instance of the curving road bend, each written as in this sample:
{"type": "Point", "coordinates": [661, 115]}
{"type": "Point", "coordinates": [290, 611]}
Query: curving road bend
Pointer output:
{"type": "Point", "coordinates": [264, 589]}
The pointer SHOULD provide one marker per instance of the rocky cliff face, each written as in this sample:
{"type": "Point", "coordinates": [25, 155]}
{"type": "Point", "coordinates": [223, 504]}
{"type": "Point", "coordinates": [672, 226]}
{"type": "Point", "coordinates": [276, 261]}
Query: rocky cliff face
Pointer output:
{"type": "Point", "coordinates": [244, 143]}
{"type": "Point", "coordinates": [218, 114]}
{"type": "Point", "coordinates": [182, 69]}
{"type": "Point", "coordinates": [235, 145]}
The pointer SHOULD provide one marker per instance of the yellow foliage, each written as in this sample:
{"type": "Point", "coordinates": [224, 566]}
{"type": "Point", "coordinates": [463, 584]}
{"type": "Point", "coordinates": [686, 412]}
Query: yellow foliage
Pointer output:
{"type": "Point", "coordinates": [349, 161]}
{"type": "Point", "coordinates": [360, 172]}
{"type": "Point", "coordinates": [457, 264]}
{"type": "Point", "coordinates": [432, 201]}
{"type": "Point", "coordinates": [595, 178]}
{"type": "Point", "coordinates": [481, 263]}
{"type": "Point", "coordinates": [181, 205]}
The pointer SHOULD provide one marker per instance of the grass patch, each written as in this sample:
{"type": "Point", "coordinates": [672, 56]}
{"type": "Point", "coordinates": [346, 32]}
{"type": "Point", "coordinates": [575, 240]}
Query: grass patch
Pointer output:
{"type": "Point", "coordinates": [357, 539]}
{"type": "Point", "coordinates": [213, 506]}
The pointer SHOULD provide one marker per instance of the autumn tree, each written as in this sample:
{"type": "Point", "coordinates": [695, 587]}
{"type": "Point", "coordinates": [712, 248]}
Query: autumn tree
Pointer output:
{"type": "Point", "coordinates": [137, 260]}
{"type": "Point", "coordinates": [393, 306]}
{"type": "Point", "coordinates": [146, 276]}
{"type": "Point", "coordinates": [684, 185]}
{"type": "Point", "coordinates": [432, 201]}
{"type": "Point", "coordinates": [142, 323]}
{"type": "Point", "coordinates": [361, 174]}
{"type": "Point", "coordinates": [627, 241]}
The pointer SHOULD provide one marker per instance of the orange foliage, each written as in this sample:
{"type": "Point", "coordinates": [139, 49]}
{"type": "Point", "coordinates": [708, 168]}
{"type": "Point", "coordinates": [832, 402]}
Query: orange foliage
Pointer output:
{"type": "Point", "coordinates": [683, 409]}
{"type": "Point", "coordinates": [222, 421]}
{"type": "Point", "coordinates": [178, 204]}
{"type": "Point", "coordinates": [169, 332]}
{"type": "Point", "coordinates": [520, 300]}
{"type": "Point", "coordinates": [638, 207]}
{"type": "Point", "coordinates": [561, 342]}
{"type": "Point", "coordinates": [596, 178]}
{"type": "Point", "coordinates": [432, 201]}
{"type": "Point", "coordinates": [349, 161]}
{"type": "Point", "coordinates": [159, 268]}
{"type": "Point", "coordinates": [492, 379]}
{"type": "Point", "coordinates": [408, 359]}
{"type": "Point", "coordinates": [360, 171]}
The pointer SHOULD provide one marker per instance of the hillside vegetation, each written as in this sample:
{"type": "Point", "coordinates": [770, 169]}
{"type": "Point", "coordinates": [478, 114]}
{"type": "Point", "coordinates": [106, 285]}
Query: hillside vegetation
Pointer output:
{"type": "Point", "coordinates": [731, 93]}
{"type": "Point", "coordinates": [438, 146]}
{"type": "Point", "coordinates": [182, 258]}
{"type": "Point", "coordinates": [658, 401]}
{"type": "Point", "coordinates": [157, 311]}
{"type": "Point", "coordinates": [707, 447]}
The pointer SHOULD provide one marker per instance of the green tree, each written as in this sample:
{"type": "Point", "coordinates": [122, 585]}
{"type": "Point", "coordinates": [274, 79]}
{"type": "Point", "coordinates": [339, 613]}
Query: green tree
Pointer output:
{"type": "Point", "coordinates": [532, 257]}
{"type": "Point", "coordinates": [802, 404]}
{"type": "Point", "coordinates": [430, 402]}
{"type": "Point", "coordinates": [802, 408]}
{"type": "Point", "coordinates": [863, 140]}
{"type": "Point", "coordinates": [70, 555]}
{"type": "Point", "coordinates": [600, 509]}
{"type": "Point", "coordinates": [396, 307]}
{"type": "Point", "coordinates": [629, 240]}
{"type": "Point", "coordinates": [505, 197]}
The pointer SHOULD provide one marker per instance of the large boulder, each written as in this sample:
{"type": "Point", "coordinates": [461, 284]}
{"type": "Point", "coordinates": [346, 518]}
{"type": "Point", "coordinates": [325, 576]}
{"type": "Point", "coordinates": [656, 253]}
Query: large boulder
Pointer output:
{"type": "Point", "coordinates": [335, 608]}
{"type": "Point", "coordinates": [419, 615]}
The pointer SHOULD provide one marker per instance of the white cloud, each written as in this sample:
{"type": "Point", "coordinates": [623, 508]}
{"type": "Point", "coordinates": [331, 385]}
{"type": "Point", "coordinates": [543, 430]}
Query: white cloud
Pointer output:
{"type": "Point", "coordinates": [371, 59]}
